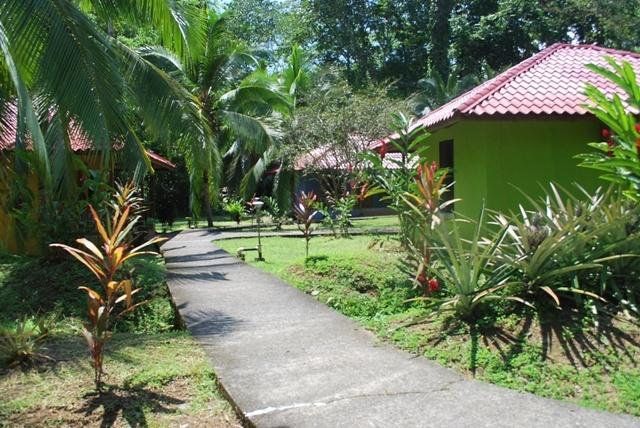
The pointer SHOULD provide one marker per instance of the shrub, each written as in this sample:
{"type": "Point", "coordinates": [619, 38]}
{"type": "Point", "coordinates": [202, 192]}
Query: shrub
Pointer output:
{"type": "Point", "coordinates": [305, 210]}
{"type": "Point", "coordinates": [467, 272]}
{"type": "Point", "coordinates": [235, 209]}
{"type": "Point", "coordinates": [338, 216]}
{"type": "Point", "coordinates": [414, 193]}
{"type": "Point", "coordinates": [619, 157]}
{"type": "Point", "coordinates": [106, 263]}
{"type": "Point", "coordinates": [423, 209]}
{"type": "Point", "coordinates": [278, 215]}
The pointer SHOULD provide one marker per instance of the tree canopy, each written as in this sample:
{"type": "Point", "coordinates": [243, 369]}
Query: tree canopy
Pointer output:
{"type": "Point", "coordinates": [405, 40]}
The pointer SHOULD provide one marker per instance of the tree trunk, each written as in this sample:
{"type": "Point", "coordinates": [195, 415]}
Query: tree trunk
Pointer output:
{"type": "Point", "coordinates": [206, 200]}
{"type": "Point", "coordinates": [440, 34]}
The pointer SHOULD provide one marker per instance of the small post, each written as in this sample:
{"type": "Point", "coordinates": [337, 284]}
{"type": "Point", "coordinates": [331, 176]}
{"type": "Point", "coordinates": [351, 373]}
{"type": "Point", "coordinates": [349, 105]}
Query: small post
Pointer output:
{"type": "Point", "coordinates": [258, 204]}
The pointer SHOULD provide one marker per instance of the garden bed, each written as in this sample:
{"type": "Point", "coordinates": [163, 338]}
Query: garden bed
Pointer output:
{"type": "Point", "coordinates": [561, 356]}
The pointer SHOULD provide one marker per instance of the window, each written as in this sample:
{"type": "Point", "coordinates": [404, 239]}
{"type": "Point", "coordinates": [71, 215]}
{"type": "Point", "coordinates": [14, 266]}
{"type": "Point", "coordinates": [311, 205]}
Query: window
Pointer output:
{"type": "Point", "coordinates": [446, 161]}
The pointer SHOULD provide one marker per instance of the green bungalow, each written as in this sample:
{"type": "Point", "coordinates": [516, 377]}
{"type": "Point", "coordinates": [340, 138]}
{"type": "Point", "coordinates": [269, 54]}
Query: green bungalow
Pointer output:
{"type": "Point", "coordinates": [521, 129]}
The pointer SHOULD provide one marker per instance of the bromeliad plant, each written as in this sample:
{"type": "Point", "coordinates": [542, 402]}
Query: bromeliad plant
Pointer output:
{"type": "Point", "coordinates": [305, 210]}
{"type": "Point", "coordinates": [565, 245]}
{"type": "Point", "coordinates": [469, 270]}
{"type": "Point", "coordinates": [23, 344]}
{"type": "Point", "coordinates": [107, 262]}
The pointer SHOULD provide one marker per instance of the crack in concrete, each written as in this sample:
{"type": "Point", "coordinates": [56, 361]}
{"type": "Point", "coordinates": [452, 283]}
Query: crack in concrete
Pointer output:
{"type": "Point", "coordinates": [268, 410]}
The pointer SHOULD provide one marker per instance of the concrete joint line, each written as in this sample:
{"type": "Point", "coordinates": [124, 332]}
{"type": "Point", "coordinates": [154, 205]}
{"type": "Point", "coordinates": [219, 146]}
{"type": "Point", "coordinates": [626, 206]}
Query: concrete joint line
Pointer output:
{"type": "Point", "coordinates": [267, 410]}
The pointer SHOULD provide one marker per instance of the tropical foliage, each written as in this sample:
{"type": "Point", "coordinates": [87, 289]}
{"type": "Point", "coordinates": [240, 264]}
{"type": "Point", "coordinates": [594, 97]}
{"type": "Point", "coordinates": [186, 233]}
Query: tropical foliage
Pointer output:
{"type": "Point", "coordinates": [468, 270]}
{"type": "Point", "coordinates": [235, 209]}
{"type": "Point", "coordinates": [47, 102]}
{"type": "Point", "coordinates": [618, 158]}
{"type": "Point", "coordinates": [277, 214]}
{"type": "Point", "coordinates": [237, 97]}
{"type": "Point", "coordinates": [106, 262]}
{"type": "Point", "coordinates": [305, 210]}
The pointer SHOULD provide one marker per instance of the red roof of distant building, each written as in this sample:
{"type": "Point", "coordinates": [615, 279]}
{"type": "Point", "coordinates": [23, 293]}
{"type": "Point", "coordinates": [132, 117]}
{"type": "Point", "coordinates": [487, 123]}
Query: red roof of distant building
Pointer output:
{"type": "Point", "coordinates": [77, 138]}
{"type": "Point", "coordinates": [328, 157]}
{"type": "Point", "coordinates": [552, 82]}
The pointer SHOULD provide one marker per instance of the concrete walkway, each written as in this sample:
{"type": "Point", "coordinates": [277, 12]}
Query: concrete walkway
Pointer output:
{"type": "Point", "coordinates": [286, 360]}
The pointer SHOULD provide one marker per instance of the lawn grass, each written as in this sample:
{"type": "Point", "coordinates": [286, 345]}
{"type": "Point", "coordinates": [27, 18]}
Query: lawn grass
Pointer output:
{"type": "Point", "coordinates": [224, 222]}
{"type": "Point", "coordinates": [157, 375]}
{"type": "Point", "coordinates": [383, 221]}
{"type": "Point", "coordinates": [152, 380]}
{"type": "Point", "coordinates": [557, 356]}
{"type": "Point", "coordinates": [219, 221]}
{"type": "Point", "coordinates": [281, 253]}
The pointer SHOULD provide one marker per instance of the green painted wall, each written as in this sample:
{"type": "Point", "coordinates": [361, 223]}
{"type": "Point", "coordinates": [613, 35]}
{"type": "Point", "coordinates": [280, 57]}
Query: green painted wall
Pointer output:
{"type": "Point", "coordinates": [491, 156]}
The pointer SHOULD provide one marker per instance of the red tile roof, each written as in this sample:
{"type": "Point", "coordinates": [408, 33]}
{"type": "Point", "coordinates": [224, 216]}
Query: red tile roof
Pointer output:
{"type": "Point", "coordinates": [551, 82]}
{"type": "Point", "coordinates": [326, 157]}
{"type": "Point", "coordinates": [77, 138]}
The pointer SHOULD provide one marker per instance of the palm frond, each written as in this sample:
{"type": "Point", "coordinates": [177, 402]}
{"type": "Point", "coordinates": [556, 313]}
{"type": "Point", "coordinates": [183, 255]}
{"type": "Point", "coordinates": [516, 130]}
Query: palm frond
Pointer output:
{"type": "Point", "coordinates": [27, 121]}
{"type": "Point", "coordinates": [181, 25]}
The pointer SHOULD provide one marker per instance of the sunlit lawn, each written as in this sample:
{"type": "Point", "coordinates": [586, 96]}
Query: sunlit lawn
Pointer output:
{"type": "Point", "coordinates": [222, 222]}
{"type": "Point", "coordinates": [283, 252]}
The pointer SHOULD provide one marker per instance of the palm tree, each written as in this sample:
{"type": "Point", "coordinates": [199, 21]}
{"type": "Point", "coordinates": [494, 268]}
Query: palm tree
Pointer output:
{"type": "Point", "coordinates": [437, 92]}
{"type": "Point", "coordinates": [293, 81]}
{"type": "Point", "coordinates": [238, 98]}
{"type": "Point", "coordinates": [61, 72]}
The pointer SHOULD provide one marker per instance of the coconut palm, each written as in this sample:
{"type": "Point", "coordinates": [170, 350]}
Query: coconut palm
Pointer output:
{"type": "Point", "coordinates": [62, 73]}
{"type": "Point", "coordinates": [292, 81]}
{"type": "Point", "coordinates": [240, 100]}
{"type": "Point", "coordinates": [435, 91]}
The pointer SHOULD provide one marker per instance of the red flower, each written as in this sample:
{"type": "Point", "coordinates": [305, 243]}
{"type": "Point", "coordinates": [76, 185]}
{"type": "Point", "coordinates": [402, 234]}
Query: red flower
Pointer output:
{"type": "Point", "coordinates": [606, 133]}
{"type": "Point", "coordinates": [383, 149]}
{"type": "Point", "coordinates": [638, 128]}
{"type": "Point", "coordinates": [433, 285]}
